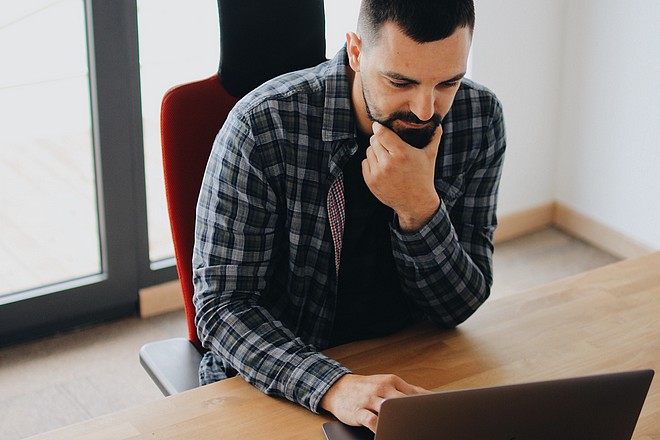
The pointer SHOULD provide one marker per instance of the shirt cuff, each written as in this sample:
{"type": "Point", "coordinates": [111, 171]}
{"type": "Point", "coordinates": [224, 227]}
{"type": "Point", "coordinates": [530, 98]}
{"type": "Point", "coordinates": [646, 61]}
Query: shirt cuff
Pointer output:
{"type": "Point", "coordinates": [312, 378]}
{"type": "Point", "coordinates": [436, 235]}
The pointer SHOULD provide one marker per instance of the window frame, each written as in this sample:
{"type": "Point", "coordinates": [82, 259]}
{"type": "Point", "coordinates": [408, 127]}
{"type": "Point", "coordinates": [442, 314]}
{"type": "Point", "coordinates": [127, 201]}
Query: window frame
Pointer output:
{"type": "Point", "coordinates": [114, 75]}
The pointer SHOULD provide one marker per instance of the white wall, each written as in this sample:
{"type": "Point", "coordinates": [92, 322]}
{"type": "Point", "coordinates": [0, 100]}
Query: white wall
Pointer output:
{"type": "Point", "coordinates": [580, 84]}
{"type": "Point", "coordinates": [340, 17]}
{"type": "Point", "coordinates": [609, 161]}
{"type": "Point", "coordinates": [517, 51]}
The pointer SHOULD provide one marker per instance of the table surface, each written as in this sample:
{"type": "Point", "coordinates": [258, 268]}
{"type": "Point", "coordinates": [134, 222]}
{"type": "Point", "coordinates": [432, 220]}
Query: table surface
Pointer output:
{"type": "Point", "coordinates": [601, 321]}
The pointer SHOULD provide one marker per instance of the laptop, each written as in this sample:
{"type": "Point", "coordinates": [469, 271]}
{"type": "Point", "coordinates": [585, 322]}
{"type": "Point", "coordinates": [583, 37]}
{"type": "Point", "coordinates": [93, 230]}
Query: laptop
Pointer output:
{"type": "Point", "coordinates": [603, 407]}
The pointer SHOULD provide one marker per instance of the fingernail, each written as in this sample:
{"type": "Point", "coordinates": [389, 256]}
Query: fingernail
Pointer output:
{"type": "Point", "coordinates": [375, 126]}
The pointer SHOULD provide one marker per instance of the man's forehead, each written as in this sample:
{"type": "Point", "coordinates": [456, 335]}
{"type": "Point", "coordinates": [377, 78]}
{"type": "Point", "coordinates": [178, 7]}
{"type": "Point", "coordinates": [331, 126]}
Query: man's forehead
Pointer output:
{"type": "Point", "coordinates": [396, 54]}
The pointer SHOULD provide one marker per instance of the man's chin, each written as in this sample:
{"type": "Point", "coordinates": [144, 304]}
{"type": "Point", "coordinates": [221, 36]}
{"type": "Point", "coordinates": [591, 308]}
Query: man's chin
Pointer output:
{"type": "Point", "coordinates": [417, 137]}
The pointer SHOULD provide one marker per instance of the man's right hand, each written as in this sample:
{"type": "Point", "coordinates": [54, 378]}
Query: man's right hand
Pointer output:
{"type": "Point", "coordinates": [356, 400]}
{"type": "Point", "coordinates": [403, 177]}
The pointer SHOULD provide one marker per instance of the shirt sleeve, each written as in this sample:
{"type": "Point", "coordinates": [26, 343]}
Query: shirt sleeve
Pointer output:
{"type": "Point", "coordinates": [446, 266]}
{"type": "Point", "coordinates": [237, 246]}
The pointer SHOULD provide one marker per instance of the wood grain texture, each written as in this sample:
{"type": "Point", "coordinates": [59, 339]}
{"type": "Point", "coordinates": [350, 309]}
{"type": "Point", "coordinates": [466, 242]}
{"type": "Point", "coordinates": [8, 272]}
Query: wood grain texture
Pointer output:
{"type": "Point", "coordinates": [602, 321]}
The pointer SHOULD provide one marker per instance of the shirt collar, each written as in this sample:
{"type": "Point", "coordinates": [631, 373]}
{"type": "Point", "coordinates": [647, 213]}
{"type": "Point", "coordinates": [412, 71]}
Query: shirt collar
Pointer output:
{"type": "Point", "coordinates": [338, 118]}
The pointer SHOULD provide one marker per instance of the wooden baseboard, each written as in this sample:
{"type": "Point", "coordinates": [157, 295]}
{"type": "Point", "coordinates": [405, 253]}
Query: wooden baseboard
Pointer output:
{"type": "Point", "coordinates": [163, 298]}
{"type": "Point", "coordinates": [573, 223]}
{"type": "Point", "coordinates": [598, 234]}
{"type": "Point", "coordinates": [525, 222]}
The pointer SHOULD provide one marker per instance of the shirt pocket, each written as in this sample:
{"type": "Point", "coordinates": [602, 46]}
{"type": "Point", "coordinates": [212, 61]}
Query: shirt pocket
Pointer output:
{"type": "Point", "coordinates": [449, 188]}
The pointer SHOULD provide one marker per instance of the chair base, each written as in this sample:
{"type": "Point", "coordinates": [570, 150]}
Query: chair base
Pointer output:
{"type": "Point", "coordinates": [173, 364]}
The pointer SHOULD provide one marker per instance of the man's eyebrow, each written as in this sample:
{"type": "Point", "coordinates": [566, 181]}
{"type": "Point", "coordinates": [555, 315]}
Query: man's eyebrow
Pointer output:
{"type": "Point", "coordinates": [399, 77]}
{"type": "Point", "coordinates": [455, 78]}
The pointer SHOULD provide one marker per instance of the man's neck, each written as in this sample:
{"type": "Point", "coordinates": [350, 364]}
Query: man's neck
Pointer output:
{"type": "Point", "coordinates": [357, 98]}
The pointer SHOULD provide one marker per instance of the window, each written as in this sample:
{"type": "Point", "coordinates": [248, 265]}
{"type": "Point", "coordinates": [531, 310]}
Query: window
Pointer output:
{"type": "Point", "coordinates": [178, 44]}
{"type": "Point", "coordinates": [83, 224]}
{"type": "Point", "coordinates": [49, 229]}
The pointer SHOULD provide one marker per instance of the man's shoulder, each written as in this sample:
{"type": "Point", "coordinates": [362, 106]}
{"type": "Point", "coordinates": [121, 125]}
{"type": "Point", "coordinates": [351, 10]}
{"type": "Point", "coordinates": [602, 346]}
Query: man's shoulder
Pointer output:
{"type": "Point", "coordinates": [471, 90]}
{"type": "Point", "coordinates": [475, 101]}
{"type": "Point", "coordinates": [471, 86]}
{"type": "Point", "coordinates": [286, 89]}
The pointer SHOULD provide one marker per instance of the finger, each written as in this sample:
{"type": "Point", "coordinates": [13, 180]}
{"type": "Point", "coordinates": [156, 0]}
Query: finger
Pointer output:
{"type": "Point", "coordinates": [377, 401]}
{"type": "Point", "coordinates": [386, 137]}
{"type": "Point", "coordinates": [368, 419]}
{"type": "Point", "coordinates": [409, 389]}
{"type": "Point", "coordinates": [369, 166]}
{"type": "Point", "coordinates": [372, 156]}
{"type": "Point", "coordinates": [420, 390]}
{"type": "Point", "coordinates": [393, 391]}
{"type": "Point", "coordinates": [366, 168]}
{"type": "Point", "coordinates": [380, 151]}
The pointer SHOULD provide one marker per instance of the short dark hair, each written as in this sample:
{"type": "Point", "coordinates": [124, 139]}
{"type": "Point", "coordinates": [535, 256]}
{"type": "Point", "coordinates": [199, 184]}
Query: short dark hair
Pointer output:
{"type": "Point", "coordinates": [423, 21]}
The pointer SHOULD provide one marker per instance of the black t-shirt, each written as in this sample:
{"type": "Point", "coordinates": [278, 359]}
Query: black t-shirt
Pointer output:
{"type": "Point", "coordinates": [370, 302]}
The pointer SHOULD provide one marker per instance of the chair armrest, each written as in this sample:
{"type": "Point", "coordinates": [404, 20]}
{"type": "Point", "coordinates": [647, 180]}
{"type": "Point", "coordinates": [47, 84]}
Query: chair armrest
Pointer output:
{"type": "Point", "coordinates": [173, 364]}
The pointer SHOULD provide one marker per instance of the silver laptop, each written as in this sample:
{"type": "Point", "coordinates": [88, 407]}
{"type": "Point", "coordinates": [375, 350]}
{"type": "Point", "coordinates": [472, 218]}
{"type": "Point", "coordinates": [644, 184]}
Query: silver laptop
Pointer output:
{"type": "Point", "coordinates": [603, 407]}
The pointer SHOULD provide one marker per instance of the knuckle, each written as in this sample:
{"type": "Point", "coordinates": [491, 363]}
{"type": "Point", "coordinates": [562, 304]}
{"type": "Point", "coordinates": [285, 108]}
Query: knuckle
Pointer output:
{"type": "Point", "coordinates": [385, 383]}
{"type": "Point", "coordinates": [392, 379]}
{"type": "Point", "coordinates": [380, 390]}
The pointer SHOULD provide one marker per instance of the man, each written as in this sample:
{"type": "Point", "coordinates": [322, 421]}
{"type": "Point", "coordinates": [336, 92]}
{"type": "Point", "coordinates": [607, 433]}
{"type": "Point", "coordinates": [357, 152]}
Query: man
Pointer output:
{"type": "Point", "coordinates": [349, 201]}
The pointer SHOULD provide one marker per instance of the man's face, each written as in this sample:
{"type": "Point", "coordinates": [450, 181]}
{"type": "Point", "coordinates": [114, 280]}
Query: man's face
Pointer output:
{"type": "Point", "coordinates": [408, 86]}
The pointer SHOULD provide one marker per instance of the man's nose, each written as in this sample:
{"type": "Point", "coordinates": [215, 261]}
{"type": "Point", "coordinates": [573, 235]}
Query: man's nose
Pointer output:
{"type": "Point", "coordinates": [423, 104]}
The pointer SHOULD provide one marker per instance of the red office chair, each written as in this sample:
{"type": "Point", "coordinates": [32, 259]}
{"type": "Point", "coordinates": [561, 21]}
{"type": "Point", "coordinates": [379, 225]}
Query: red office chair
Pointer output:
{"type": "Point", "coordinates": [191, 116]}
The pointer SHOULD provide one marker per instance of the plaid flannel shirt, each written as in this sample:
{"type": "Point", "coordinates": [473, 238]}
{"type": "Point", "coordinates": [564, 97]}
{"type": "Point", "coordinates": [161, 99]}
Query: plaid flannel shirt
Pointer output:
{"type": "Point", "coordinates": [270, 218]}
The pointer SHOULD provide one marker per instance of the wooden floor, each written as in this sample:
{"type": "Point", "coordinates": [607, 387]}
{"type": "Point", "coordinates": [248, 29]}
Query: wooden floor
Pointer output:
{"type": "Point", "coordinates": [72, 377]}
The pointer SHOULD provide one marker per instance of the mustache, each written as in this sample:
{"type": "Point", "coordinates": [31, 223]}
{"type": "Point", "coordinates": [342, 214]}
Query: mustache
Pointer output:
{"type": "Point", "coordinates": [436, 119]}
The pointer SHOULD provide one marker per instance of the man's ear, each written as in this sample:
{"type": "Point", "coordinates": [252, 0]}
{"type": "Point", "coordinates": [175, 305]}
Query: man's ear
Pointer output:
{"type": "Point", "coordinates": [354, 49]}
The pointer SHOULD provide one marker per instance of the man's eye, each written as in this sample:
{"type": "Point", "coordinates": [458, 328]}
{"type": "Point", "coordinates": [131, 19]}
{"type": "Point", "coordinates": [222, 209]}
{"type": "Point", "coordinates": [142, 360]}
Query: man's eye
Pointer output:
{"type": "Point", "coordinates": [399, 85]}
{"type": "Point", "coordinates": [450, 85]}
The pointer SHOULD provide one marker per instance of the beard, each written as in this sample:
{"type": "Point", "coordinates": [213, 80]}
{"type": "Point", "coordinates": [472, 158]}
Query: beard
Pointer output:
{"type": "Point", "coordinates": [416, 137]}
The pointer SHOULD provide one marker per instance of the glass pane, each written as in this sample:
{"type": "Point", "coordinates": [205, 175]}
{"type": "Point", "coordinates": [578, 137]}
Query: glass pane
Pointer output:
{"type": "Point", "coordinates": [49, 229]}
{"type": "Point", "coordinates": [179, 42]}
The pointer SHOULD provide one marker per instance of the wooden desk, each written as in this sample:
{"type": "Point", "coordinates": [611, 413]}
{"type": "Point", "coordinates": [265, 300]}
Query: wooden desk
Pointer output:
{"type": "Point", "coordinates": [602, 321]}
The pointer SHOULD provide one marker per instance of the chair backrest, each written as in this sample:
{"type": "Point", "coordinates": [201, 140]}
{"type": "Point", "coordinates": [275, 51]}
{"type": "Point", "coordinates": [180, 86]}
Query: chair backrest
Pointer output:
{"type": "Point", "coordinates": [191, 116]}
